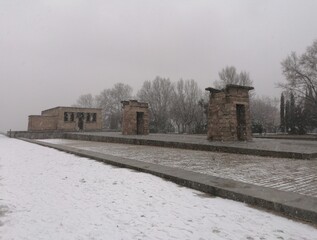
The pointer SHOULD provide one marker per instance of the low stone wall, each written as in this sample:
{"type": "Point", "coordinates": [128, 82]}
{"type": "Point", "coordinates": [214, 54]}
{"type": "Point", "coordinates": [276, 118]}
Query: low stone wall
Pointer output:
{"type": "Point", "coordinates": [35, 135]}
{"type": "Point", "coordinates": [312, 137]}
{"type": "Point", "coordinates": [190, 146]}
{"type": "Point", "coordinates": [160, 143]}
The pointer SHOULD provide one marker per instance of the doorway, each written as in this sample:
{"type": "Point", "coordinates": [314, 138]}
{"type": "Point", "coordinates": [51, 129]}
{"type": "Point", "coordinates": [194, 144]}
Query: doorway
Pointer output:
{"type": "Point", "coordinates": [241, 122]}
{"type": "Point", "coordinates": [80, 117]}
{"type": "Point", "coordinates": [140, 123]}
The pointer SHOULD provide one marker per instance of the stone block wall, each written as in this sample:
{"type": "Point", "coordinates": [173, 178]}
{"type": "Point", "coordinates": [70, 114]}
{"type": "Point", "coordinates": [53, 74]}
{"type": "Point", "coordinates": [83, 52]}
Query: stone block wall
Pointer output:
{"type": "Point", "coordinates": [42, 123]}
{"type": "Point", "coordinates": [66, 119]}
{"type": "Point", "coordinates": [135, 118]}
{"type": "Point", "coordinates": [72, 125]}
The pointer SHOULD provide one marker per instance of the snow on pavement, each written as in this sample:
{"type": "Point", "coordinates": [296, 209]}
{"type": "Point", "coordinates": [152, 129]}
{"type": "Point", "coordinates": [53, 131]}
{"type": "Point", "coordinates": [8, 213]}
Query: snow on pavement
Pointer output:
{"type": "Point", "coordinates": [47, 194]}
{"type": "Point", "coordinates": [295, 175]}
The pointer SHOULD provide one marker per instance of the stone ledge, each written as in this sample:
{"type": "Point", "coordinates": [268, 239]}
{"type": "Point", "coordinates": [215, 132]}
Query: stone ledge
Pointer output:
{"type": "Point", "coordinates": [191, 146]}
{"type": "Point", "coordinates": [35, 134]}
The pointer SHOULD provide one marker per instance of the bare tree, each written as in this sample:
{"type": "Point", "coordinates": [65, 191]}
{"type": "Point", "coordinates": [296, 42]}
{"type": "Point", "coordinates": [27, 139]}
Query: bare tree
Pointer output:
{"type": "Point", "coordinates": [229, 75]}
{"type": "Point", "coordinates": [265, 113]}
{"type": "Point", "coordinates": [104, 100]}
{"type": "Point", "coordinates": [177, 107]}
{"type": "Point", "coordinates": [118, 93]}
{"type": "Point", "coordinates": [158, 93]}
{"type": "Point", "coordinates": [202, 115]}
{"type": "Point", "coordinates": [244, 79]}
{"type": "Point", "coordinates": [85, 100]}
{"type": "Point", "coordinates": [110, 102]}
{"type": "Point", "coordinates": [301, 76]}
{"type": "Point", "coordinates": [185, 105]}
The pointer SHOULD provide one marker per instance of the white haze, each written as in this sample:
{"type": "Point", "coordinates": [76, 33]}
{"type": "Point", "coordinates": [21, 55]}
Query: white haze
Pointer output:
{"type": "Point", "coordinates": [55, 50]}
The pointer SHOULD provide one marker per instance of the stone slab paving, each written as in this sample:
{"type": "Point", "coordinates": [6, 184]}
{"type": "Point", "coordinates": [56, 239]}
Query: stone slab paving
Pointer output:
{"type": "Point", "coordinates": [257, 147]}
{"type": "Point", "coordinates": [292, 145]}
{"type": "Point", "coordinates": [292, 175]}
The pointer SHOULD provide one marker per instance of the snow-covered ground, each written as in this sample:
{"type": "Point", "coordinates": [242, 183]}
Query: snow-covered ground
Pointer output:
{"type": "Point", "coordinates": [47, 194]}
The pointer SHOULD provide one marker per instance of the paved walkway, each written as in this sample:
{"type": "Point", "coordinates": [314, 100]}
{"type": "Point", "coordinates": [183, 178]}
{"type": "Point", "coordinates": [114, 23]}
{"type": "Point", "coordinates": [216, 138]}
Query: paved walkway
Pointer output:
{"type": "Point", "coordinates": [259, 146]}
{"type": "Point", "coordinates": [292, 175]}
{"type": "Point", "coordinates": [257, 143]}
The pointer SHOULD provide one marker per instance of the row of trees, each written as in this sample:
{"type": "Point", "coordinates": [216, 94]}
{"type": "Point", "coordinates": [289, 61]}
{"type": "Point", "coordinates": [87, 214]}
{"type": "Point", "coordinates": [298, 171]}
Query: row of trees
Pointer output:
{"type": "Point", "coordinates": [264, 114]}
{"type": "Point", "coordinates": [180, 105]}
{"type": "Point", "coordinates": [177, 106]}
{"type": "Point", "coordinates": [109, 100]}
{"type": "Point", "coordinates": [297, 114]}
{"type": "Point", "coordinates": [183, 107]}
{"type": "Point", "coordinates": [298, 105]}
{"type": "Point", "coordinates": [229, 75]}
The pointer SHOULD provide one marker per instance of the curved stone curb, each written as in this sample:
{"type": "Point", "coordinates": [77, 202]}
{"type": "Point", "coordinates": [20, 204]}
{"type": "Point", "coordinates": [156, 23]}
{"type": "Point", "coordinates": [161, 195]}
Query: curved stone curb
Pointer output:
{"type": "Point", "coordinates": [287, 203]}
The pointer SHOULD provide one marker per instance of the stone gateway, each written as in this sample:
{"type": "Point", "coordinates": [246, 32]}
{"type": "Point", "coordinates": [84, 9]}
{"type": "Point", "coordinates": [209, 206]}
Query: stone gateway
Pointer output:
{"type": "Point", "coordinates": [135, 118]}
{"type": "Point", "coordinates": [229, 114]}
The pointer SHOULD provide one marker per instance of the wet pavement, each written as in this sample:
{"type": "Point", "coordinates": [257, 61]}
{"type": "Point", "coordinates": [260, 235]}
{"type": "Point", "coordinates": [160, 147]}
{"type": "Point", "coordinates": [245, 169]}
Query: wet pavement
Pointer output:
{"type": "Point", "coordinates": [290, 175]}
{"type": "Point", "coordinates": [291, 145]}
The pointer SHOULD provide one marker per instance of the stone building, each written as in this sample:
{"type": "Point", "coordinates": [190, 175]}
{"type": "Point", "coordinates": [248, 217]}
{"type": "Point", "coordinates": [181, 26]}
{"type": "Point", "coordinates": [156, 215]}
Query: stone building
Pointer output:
{"type": "Point", "coordinates": [66, 119]}
{"type": "Point", "coordinates": [135, 118]}
{"type": "Point", "coordinates": [229, 114]}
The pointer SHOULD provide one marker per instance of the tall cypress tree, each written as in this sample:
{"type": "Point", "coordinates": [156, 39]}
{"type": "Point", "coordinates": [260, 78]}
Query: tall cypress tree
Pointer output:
{"type": "Point", "coordinates": [309, 109]}
{"type": "Point", "coordinates": [282, 113]}
{"type": "Point", "coordinates": [292, 117]}
{"type": "Point", "coordinates": [287, 116]}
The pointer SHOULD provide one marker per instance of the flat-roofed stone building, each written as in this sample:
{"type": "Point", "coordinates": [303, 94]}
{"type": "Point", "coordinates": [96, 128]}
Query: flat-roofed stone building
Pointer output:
{"type": "Point", "coordinates": [229, 114]}
{"type": "Point", "coordinates": [66, 119]}
{"type": "Point", "coordinates": [135, 118]}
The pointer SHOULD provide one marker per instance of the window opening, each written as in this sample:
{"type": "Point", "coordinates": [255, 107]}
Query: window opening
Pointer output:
{"type": "Point", "coordinates": [94, 117]}
{"type": "Point", "coordinates": [72, 117]}
{"type": "Point", "coordinates": [88, 117]}
{"type": "Point", "coordinates": [65, 117]}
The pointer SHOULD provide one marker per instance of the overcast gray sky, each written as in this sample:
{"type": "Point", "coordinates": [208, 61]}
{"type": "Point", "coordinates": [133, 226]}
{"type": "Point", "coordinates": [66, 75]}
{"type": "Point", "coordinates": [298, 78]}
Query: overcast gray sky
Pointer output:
{"type": "Point", "coordinates": [52, 51]}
